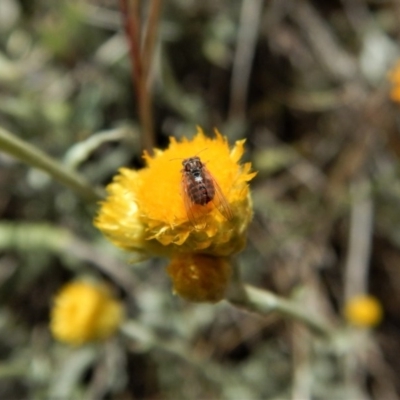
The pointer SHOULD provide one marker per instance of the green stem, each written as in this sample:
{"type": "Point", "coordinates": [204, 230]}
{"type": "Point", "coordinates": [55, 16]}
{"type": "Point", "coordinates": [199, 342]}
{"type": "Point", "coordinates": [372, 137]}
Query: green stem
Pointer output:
{"type": "Point", "coordinates": [35, 157]}
{"type": "Point", "coordinates": [263, 302]}
{"type": "Point", "coordinates": [28, 237]}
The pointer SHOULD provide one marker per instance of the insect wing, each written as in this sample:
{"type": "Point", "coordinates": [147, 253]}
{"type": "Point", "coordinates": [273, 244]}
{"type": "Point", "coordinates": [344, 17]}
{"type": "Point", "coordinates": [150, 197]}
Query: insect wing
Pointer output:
{"type": "Point", "coordinates": [219, 200]}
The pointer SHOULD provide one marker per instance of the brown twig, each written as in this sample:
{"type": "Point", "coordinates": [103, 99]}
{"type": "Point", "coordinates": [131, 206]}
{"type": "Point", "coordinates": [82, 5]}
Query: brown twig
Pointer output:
{"type": "Point", "coordinates": [141, 61]}
{"type": "Point", "coordinates": [150, 36]}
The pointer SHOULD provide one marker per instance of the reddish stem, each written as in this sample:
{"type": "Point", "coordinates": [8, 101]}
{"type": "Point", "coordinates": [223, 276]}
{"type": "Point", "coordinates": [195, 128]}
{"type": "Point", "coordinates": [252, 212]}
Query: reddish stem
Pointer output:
{"type": "Point", "coordinates": [131, 18]}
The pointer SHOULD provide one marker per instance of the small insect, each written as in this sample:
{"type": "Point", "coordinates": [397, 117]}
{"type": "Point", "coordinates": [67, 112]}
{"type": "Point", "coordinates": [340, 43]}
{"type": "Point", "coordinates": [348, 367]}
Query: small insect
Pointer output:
{"type": "Point", "coordinates": [199, 188]}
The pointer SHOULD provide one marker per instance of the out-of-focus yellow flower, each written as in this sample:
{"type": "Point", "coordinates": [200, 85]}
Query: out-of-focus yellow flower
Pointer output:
{"type": "Point", "coordinates": [84, 312]}
{"type": "Point", "coordinates": [394, 78]}
{"type": "Point", "coordinates": [145, 210]}
{"type": "Point", "coordinates": [363, 311]}
{"type": "Point", "coordinates": [200, 278]}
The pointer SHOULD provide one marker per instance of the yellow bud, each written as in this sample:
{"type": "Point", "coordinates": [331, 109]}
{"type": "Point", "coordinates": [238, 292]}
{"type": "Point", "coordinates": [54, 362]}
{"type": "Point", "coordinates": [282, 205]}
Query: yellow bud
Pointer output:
{"type": "Point", "coordinates": [84, 312]}
{"type": "Point", "coordinates": [363, 311]}
{"type": "Point", "coordinates": [200, 278]}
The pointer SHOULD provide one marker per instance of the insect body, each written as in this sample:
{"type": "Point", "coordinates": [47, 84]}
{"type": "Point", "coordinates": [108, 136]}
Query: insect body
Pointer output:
{"type": "Point", "coordinates": [199, 188]}
{"type": "Point", "coordinates": [199, 184]}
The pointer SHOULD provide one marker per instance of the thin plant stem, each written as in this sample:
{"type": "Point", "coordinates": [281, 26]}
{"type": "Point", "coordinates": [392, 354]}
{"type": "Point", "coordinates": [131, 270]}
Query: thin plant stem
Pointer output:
{"type": "Point", "coordinates": [360, 238]}
{"type": "Point", "coordinates": [27, 237]}
{"type": "Point", "coordinates": [150, 36]}
{"type": "Point", "coordinates": [146, 116]}
{"type": "Point", "coordinates": [23, 151]}
{"type": "Point", "coordinates": [131, 21]}
{"type": "Point", "coordinates": [140, 62]}
{"type": "Point", "coordinates": [263, 302]}
{"type": "Point", "coordinates": [250, 17]}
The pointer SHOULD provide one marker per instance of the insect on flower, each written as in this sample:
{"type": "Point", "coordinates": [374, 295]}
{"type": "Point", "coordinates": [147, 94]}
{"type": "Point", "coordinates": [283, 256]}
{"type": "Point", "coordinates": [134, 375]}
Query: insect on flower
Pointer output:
{"type": "Point", "coordinates": [199, 189]}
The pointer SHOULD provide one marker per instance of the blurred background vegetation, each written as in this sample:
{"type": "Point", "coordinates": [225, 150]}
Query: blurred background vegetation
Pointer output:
{"type": "Point", "coordinates": [305, 82]}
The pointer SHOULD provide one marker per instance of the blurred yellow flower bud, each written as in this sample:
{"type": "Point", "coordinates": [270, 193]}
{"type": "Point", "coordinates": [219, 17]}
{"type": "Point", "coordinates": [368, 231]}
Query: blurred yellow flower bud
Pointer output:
{"type": "Point", "coordinates": [363, 311]}
{"type": "Point", "coordinates": [200, 278]}
{"type": "Point", "coordinates": [84, 312]}
{"type": "Point", "coordinates": [394, 78]}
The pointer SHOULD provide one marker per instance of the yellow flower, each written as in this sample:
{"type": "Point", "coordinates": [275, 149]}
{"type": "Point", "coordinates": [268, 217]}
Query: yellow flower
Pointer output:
{"type": "Point", "coordinates": [200, 278]}
{"type": "Point", "coordinates": [84, 312]}
{"type": "Point", "coordinates": [145, 210]}
{"type": "Point", "coordinates": [394, 78]}
{"type": "Point", "coordinates": [363, 311]}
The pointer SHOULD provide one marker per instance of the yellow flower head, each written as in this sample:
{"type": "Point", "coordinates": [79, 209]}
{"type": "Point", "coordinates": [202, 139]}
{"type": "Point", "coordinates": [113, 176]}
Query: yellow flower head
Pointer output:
{"type": "Point", "coordinates": [200, 278]}
{"type": "Point", "coordinates": [145, 210]}
{"type": "Point", "coordinates": [394, 78]}
{"type": "Point", "coordinates": [363, 311]}
{"type": "Point", "coordinates": [84, 312]}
